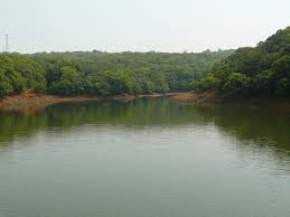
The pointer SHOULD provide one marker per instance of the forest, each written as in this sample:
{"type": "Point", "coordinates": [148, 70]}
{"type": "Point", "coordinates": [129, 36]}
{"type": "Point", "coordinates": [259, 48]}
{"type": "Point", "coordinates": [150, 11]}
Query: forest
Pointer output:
{"type": "Point", "coordinates": [102, 74]}
{"type": "Point", "coordinates": [260, 71]}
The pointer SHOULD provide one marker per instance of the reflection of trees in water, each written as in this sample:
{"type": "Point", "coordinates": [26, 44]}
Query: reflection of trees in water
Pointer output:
{"type": "Point", "coordinates": [138, 113]}
{"type": "Point", "coordinates": [257, 127]}
{"type": "Point", "coordinates": [253, 124]}
{"type": "Point", "coordinates": [258, 131]}
{"type": "Point", "coordinates": [17, 125]}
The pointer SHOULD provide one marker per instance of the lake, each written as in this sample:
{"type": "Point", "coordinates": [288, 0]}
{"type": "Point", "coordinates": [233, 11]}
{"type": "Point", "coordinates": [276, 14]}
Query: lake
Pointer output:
{"type": "Point", "coordinates": [145, 158]}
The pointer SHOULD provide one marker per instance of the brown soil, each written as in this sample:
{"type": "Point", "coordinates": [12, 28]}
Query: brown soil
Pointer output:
{"type": "Point", "coordinates": [31, 102]}
{"type": "Point", "coordinates": [211, 98]}
{"type": "Point", "coordinates": [196, 98]}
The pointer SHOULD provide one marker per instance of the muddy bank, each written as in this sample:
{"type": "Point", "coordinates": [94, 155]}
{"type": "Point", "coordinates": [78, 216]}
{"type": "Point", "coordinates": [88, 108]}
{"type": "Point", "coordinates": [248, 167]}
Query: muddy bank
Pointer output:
{"type": "Point", "coordinates": [32, 102]}
{"type": "Point", "coordinates": [196, 98]}
{"type": "Point", "coordinates": [277, 104]}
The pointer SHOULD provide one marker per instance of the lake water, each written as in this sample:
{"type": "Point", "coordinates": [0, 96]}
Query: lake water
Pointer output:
{"type": "Point", "coordinates": [145, 158]}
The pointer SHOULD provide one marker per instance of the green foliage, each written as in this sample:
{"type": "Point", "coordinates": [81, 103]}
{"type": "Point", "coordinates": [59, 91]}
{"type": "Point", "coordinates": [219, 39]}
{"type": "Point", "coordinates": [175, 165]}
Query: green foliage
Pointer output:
{"type": "Point", "coordinates": [98, 73]}
{"type": "Point", "coordinates": [103, 74]}
{"type": "Point", "coordinates": [263, 70]}
{"type": "Point", "coordinates": [205, 83]}
{"type": "Point", "coordinates": [20, 73]}
{"type": "Point", "coordinates": [69, 83]}
{"type": "Point", "coordinates": [236, 83]}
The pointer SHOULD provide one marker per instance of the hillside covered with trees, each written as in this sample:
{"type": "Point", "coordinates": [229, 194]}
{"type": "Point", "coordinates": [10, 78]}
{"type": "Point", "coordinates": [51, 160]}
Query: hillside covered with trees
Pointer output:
{"type": "Point", "coordinates": [102, 74]}
{"type": "Point", "coordinates": [260, 71]}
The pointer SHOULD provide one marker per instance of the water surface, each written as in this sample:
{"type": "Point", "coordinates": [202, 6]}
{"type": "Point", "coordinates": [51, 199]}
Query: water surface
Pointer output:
{"type": "Point", "coordinates": [145, 158]}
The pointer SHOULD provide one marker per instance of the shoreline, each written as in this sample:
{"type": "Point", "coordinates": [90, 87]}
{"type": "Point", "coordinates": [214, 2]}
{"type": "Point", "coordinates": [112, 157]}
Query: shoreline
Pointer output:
{"type": "Point", "coordinates": [34, 102]}
{"type": "Point", "coordinates": [196, 98]}
{"type": "Point", "coordinates": [210, 98]}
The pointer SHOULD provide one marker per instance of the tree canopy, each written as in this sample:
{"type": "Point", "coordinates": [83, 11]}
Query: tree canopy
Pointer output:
{"type": "Point", "coordinates": [262, 70]}
{"type": "Point", "coordinates": [102, 73]}
{"type": "Point", "coordinates": [19, 73]}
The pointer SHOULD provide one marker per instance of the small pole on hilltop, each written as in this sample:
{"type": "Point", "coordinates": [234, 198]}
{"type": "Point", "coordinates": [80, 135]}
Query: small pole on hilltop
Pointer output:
{"type": "Point", "coordinates": [7, 43]}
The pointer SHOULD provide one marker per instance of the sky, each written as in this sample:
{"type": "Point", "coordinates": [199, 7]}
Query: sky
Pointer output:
{"type": "Point", "coordinates": [139, 25]}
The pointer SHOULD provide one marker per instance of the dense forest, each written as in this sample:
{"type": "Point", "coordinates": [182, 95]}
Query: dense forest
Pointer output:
{"type": "Point", "coordinates": [262, 70]}
{"type": "Point", "coordinates": [102, 74]}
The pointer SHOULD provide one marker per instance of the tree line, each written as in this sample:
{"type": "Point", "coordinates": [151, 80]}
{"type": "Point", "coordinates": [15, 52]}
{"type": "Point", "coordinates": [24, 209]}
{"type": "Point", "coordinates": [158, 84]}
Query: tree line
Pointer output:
{"type": "Point", "coordinates": [102, 73]}
{"type": "Point", "coordinates": [262, 70]}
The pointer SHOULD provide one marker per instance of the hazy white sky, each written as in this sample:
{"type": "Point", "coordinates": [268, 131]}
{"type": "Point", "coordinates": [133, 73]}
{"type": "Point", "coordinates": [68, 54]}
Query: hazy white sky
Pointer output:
{"type": "Point", "coordinates": [139, 25]}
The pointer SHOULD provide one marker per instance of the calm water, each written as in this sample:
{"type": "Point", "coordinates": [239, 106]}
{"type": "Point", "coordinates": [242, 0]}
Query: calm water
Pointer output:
{"type": "Point", "coordinates": [146, 158]}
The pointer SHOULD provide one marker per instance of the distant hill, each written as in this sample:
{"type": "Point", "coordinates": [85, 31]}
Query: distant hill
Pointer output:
{"type": "Point", "coordinates": [262, 70]}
